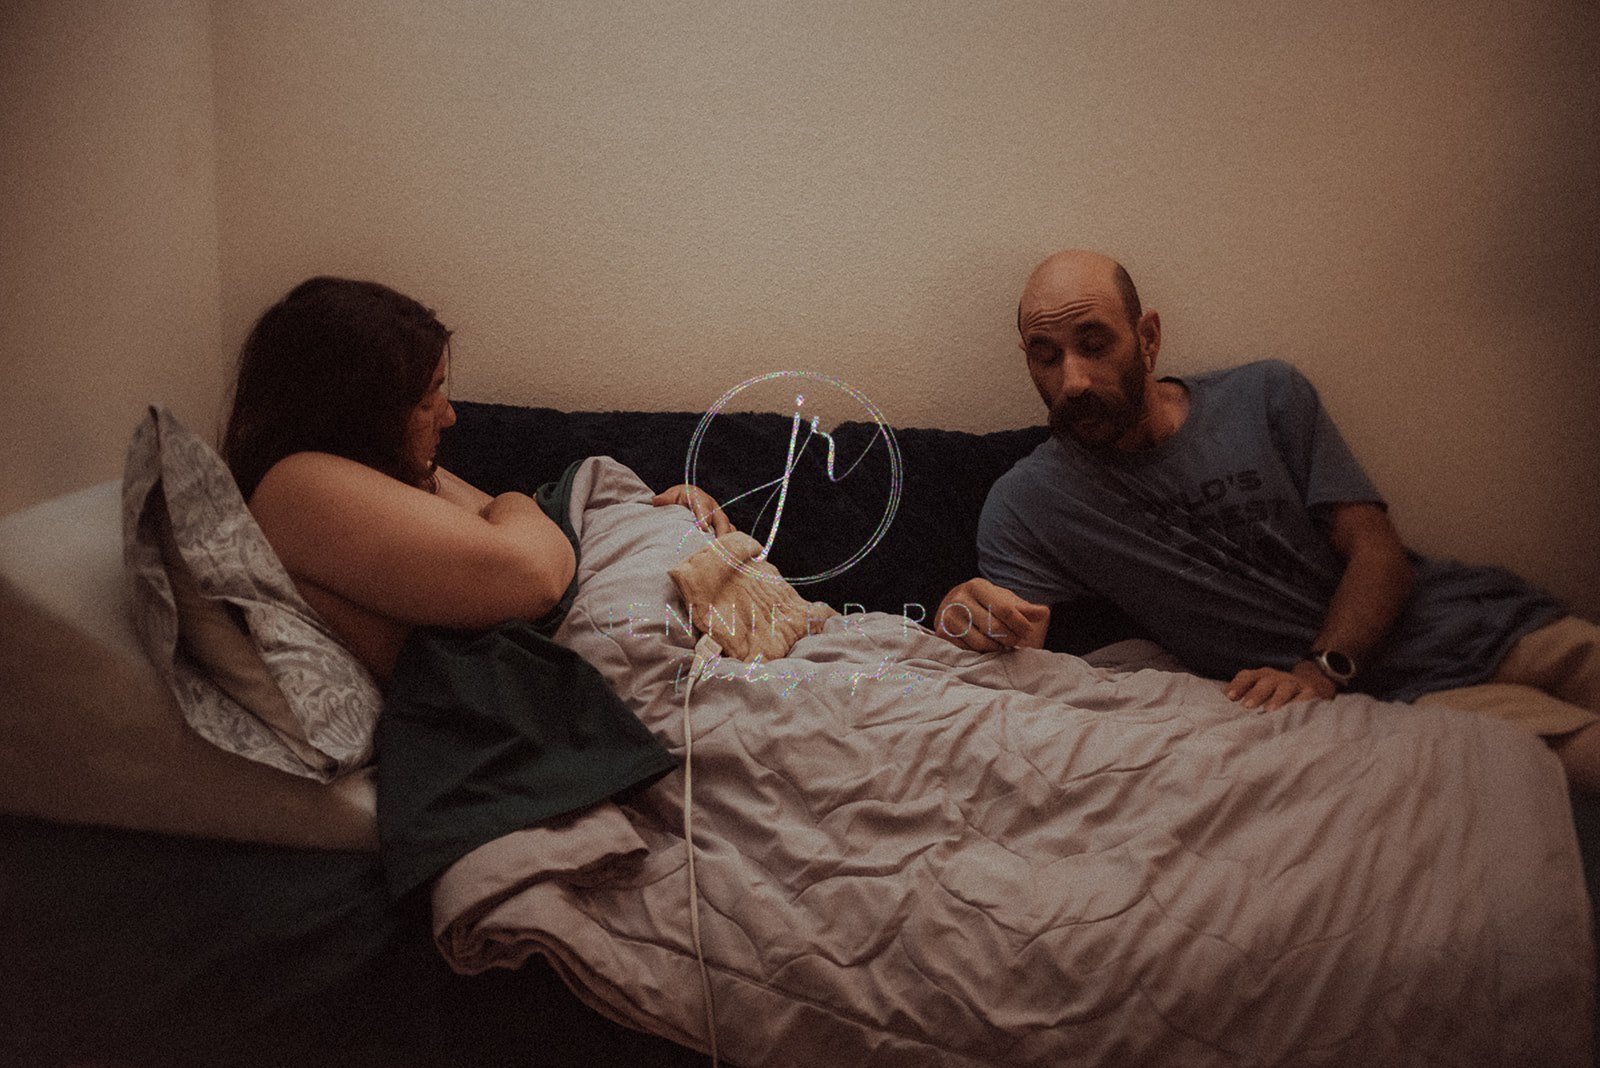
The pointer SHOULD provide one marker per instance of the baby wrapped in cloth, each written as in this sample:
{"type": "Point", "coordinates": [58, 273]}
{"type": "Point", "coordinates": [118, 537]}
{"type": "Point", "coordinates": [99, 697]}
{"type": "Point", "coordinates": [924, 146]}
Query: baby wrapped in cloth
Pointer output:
{"type": "Point", "coordinates": [734, 594]}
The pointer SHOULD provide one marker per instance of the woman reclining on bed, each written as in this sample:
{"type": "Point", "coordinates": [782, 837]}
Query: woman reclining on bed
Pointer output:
{"type": "Point", "coordinates": [340, 401]}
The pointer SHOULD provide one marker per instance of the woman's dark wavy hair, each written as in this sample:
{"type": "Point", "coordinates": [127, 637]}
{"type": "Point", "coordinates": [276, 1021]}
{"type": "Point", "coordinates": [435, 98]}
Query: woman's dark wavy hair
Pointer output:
{"type": "Point", "coordinates": [336, 366]}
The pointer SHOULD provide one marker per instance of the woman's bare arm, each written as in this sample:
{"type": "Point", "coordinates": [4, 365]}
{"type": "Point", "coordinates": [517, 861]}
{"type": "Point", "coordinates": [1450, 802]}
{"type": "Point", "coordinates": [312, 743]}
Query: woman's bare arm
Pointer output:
{"type": "Point", "coordinates": [406, 554]}
{"type": "Point", "coordinates": [461, 492]}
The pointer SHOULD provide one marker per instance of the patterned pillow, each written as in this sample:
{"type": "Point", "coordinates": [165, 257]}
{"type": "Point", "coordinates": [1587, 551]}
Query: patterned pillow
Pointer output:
{"type": "Point", "coordinates": [253, 668]}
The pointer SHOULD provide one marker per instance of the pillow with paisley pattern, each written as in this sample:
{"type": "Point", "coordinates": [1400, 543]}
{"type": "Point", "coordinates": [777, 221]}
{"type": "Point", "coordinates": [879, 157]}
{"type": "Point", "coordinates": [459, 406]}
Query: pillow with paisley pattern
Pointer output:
{"type": "Point", "coordinates": [253, 668]}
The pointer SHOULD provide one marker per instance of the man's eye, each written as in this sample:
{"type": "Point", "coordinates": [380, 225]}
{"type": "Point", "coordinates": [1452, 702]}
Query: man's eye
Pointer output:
{"type": "Point", "coordinates": [1043, 354]}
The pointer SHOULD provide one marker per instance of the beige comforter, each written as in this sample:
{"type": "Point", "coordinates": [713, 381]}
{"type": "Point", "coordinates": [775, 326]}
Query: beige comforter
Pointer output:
{"type": "Point", "coordinates": [913, 855]}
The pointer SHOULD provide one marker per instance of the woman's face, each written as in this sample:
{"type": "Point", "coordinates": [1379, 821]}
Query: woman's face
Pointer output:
{"type": "Point", "coordinates": [431, 415]}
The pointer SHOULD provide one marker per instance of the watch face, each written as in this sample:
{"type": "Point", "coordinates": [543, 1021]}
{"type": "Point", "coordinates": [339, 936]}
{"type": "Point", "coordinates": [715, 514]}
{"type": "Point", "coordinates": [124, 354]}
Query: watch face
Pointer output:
{"type": "Point", "coordinates": [1339, 664]}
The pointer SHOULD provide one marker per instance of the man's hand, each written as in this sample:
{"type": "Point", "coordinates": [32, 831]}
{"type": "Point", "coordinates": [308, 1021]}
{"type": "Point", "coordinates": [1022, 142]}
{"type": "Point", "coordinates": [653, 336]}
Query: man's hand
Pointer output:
{"type": "Point", "coordinates": [708, 514]}
{"type": "Point", "coordinates": [981, 616]}
{"type": "Point", "coordinates": [1255, 687]}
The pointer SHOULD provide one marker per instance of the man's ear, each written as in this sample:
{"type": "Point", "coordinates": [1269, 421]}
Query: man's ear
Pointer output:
{"type": "Point", "coordinates": [1149, 334]}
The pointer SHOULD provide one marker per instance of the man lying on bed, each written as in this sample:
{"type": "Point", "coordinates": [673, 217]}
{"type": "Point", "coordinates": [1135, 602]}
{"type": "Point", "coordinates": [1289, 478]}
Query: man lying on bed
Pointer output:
{"type": "Point", "coordinates": [1224, 513]}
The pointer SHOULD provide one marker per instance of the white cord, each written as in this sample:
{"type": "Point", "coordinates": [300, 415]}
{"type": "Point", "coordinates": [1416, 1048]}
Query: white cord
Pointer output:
{"type": "Point", "coordinates": [705, 651]}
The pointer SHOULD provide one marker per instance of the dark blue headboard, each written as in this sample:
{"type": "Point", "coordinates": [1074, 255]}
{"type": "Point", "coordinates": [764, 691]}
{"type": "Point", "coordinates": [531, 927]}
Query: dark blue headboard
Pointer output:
{"type": "Point", "coordinates": [927, 548]}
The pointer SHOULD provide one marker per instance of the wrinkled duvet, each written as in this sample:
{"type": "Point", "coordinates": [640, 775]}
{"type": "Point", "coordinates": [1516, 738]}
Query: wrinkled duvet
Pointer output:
{"type": "Point", "coordinates": [913, 855]}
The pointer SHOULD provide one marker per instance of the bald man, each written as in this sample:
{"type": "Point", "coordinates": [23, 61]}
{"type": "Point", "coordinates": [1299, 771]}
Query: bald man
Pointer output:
{"type": "Point", "coordinates": [1226, 516]}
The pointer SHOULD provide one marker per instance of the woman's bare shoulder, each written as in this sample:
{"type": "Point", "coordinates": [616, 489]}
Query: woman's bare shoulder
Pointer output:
{"type": "Point", "coordinates": [323, 496]}
{"type": "Point", "coordinates": [403, 552]}
{"type": "Point", "coordinates": [305, 475]}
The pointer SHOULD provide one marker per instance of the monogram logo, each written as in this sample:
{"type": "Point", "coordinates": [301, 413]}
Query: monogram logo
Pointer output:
{"type": "Point", "coordinates": [774, 494]}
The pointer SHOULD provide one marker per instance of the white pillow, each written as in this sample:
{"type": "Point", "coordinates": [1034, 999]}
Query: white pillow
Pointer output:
{"type": "Point", "coordinates": [65, 554]}
{"type": "Point", "coordinates": [88, 731]}
{"type": "Point", "coordinates": [332, 702]}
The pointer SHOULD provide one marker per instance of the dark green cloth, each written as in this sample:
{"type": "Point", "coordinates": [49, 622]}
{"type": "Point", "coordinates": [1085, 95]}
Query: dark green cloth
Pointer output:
{"type": "Point", "coordinates": [484, 733]}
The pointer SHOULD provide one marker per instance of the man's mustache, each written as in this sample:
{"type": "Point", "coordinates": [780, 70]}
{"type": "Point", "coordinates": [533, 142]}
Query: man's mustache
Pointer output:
{"type": "Point", "coordinates": [1070, 410]}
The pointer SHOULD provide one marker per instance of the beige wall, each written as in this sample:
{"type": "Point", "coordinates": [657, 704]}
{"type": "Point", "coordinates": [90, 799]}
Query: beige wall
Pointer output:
{"type": "Point", "coordinates": [625, 205]}
{"type": "Point", "coordinates": [108, 234]}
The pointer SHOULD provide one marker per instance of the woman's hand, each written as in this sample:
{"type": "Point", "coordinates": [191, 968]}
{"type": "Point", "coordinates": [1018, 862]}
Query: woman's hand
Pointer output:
{"type": "Point", "coordinates": [708, 514]}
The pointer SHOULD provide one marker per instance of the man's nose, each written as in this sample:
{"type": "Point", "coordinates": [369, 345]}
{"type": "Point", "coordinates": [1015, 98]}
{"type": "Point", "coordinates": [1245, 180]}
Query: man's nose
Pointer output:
{"type": "Point", "coordinates": [1075, 380]}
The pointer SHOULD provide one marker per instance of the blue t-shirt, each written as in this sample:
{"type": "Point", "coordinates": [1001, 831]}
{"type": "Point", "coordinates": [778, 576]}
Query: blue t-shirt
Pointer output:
{"type": "Point", "coordinates": [1212, 542]}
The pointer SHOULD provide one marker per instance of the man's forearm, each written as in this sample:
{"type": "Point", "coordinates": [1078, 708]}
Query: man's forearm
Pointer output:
{"type": "Point", "coordinates": [1376, 585]}
{"type": "Point", "coordinates": [1371, 594]}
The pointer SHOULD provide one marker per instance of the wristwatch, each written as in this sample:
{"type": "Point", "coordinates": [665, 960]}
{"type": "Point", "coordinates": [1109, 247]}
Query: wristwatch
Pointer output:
{"type": "Point", "coordinates": [1334, 664]}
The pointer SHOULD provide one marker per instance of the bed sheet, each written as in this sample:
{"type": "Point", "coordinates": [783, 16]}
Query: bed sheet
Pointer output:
{"type": "Point", "coordinates": [911, 854]}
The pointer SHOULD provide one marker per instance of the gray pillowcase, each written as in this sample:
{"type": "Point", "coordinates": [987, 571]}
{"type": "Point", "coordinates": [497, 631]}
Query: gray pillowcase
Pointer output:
{"type": "Point", "coordinates": [316, 706]}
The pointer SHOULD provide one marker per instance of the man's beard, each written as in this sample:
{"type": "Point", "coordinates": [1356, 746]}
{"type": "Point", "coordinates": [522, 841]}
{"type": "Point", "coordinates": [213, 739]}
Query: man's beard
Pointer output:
{"type": "Point", "coordinates": [1095, 421]}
